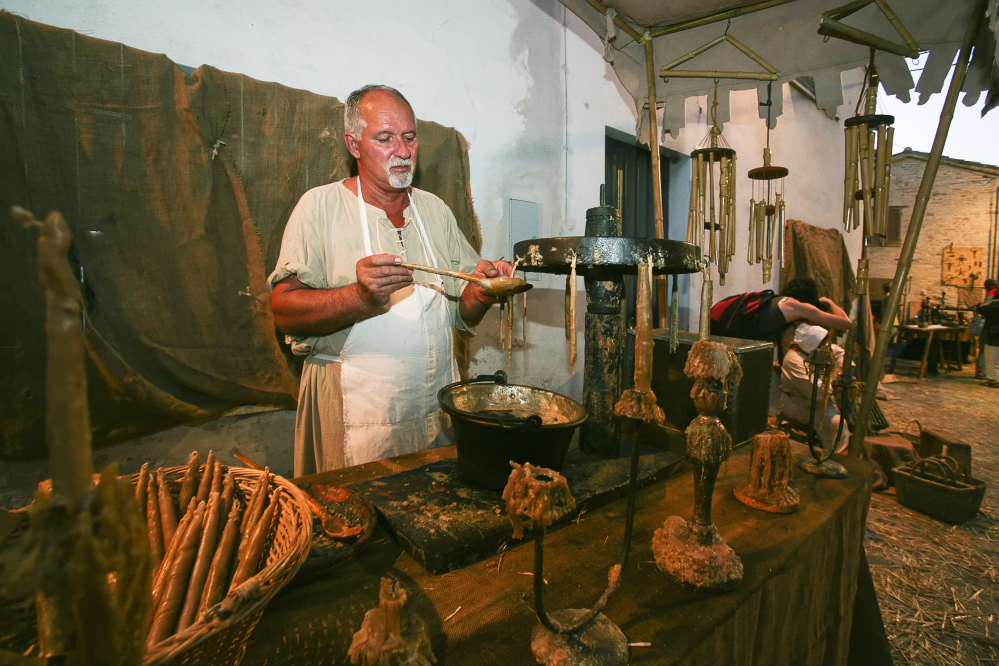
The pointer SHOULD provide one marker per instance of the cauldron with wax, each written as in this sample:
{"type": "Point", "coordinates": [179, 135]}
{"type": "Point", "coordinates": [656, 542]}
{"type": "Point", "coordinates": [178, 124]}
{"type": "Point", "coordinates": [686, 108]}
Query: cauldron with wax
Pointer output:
{"type": "Point", "coordinates": [495, 422]}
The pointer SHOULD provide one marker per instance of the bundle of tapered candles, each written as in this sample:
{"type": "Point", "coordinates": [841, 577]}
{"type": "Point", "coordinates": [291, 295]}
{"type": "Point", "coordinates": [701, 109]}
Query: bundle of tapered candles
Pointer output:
{"type": "Point", "coordinates": [209, 547]}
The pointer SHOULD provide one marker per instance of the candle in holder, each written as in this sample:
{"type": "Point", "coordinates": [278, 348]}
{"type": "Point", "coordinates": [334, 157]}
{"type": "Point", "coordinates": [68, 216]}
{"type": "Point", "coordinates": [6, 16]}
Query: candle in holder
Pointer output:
{"type": "Point", "coordinates": [704, 330]}
{"type": "Point", "coordinates": [640, 402]}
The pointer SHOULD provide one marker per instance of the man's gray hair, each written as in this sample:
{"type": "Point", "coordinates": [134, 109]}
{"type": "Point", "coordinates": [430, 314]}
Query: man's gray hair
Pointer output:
{"type": "Point", "coordinates": [352, 121]}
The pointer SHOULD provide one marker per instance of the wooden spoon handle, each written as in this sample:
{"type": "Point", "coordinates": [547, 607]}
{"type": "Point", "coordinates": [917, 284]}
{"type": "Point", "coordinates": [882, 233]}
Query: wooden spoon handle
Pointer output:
{"type": "Point", "coordinates": [442, 271]}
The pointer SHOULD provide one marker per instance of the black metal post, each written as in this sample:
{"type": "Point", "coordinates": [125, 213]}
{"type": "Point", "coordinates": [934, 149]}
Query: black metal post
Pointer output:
{"type": "Point", "coordinates": [604, 344]}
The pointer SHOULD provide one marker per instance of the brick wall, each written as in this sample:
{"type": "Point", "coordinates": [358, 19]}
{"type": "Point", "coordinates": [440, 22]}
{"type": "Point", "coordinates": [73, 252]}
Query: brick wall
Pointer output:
{"type": "Point", "coordinates": [960, 211]}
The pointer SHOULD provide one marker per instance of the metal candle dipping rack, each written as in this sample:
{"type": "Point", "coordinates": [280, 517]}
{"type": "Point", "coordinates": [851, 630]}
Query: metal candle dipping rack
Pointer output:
{"type": "Point", "coordinates": [603, 257]}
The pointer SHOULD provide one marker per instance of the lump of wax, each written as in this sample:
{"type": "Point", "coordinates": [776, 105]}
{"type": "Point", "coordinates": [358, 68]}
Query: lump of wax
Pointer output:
{"type": "Point", "coordinates": [391, 635]}
{"type": "Point", "coordinates": [535, 495]}
{"type": "Point", "coordinates": [712, 360]}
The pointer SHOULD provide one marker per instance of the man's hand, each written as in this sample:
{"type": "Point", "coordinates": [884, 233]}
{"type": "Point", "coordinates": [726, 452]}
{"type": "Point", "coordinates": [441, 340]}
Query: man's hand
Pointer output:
{"type": "Point", "coordinates": [475, 300]}
{"type": "Point", "coordinates": [489, 269]}
{"type": "Point", "coordinates": [378, 276]}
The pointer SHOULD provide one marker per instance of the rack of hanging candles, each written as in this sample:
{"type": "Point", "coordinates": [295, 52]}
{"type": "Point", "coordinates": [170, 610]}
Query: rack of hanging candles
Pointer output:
{"type": "Point", "coordinates": [767, 209]}
{"type": "Point", "coordinates": [711, 220]}
{"type": "Point", "coordinates": [868, 162]}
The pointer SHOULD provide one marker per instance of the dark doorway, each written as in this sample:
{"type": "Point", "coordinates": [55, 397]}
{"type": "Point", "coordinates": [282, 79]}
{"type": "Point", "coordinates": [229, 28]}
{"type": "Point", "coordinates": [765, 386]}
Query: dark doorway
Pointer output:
{"type": "Point", "coordinates": [628, 187]}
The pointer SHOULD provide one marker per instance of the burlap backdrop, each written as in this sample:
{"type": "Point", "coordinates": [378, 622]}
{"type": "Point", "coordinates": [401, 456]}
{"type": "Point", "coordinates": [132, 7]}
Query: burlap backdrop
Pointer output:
{"type": "Point", "coordinates": [177, 189]}
{"type": "Point", "coordinates": [819, 254]}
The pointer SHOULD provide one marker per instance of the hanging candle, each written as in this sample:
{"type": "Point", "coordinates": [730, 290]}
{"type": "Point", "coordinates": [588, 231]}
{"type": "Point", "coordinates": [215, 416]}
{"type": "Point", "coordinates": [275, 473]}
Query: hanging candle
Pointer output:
{"type": "Point", "coordinates": [711, 216]}
{"type": "Point", "coordinates": [767, 212]}
{"type": "Point", "coordinates": [867, 177]}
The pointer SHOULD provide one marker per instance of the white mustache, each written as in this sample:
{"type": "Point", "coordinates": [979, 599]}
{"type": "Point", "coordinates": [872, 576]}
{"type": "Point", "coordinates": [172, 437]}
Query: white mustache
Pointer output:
{"type": "Point", "coordinates": [396, 161]}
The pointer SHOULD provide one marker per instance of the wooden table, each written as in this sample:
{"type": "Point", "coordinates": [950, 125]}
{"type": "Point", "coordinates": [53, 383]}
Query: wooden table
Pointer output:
{"type": "Point", "coordinates": [795, 605]}
{"type": "Point", "coordinates": [931, 334]}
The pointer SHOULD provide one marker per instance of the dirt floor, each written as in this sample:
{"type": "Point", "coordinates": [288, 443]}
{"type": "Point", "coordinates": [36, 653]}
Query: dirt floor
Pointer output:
{"type": "Point", "coordinates": [937, 583]}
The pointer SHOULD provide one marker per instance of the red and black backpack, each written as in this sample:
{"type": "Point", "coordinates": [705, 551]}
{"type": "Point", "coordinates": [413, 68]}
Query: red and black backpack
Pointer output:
{"type": "Point", "coordinates": [737, 316]}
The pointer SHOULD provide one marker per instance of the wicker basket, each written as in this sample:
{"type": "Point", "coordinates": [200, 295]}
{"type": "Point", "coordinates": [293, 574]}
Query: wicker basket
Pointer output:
{"type": "Point", "coordinates": [221, 638]}
{"type": "Point", "coordinates": [933, 486]}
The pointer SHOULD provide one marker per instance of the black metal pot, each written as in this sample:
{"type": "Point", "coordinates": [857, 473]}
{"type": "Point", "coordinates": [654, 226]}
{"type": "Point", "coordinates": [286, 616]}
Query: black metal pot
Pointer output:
{"type": "Point", "coordinates": [495, 422]}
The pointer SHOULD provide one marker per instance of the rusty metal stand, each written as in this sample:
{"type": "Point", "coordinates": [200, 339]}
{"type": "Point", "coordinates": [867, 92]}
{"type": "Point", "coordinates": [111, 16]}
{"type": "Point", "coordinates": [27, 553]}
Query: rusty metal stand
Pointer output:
{"type": "Point", "coordinates": [692, 552]}
{"type": "Point", "coordinates": [577, 636]}
{"type": "Point", "coordinates": [604, 343]}
{"type": "Point", "coordinates": [818, 464]}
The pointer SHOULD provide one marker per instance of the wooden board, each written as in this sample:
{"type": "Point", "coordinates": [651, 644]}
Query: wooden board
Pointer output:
{"type": "Point", "coordinates": [962, 266]}
{"type": "Point", "coordinates": [445, 523]}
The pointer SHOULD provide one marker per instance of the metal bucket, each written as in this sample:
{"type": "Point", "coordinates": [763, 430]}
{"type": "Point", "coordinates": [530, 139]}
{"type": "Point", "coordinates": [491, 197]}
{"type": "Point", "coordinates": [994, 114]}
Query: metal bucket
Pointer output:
{"type": "Point", "coordinates": [495, 422]}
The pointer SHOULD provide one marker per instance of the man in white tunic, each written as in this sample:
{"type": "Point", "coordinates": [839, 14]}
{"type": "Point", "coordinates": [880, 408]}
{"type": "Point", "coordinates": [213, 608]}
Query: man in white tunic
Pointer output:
{"type": "Point", "coordinates": [378, 338]}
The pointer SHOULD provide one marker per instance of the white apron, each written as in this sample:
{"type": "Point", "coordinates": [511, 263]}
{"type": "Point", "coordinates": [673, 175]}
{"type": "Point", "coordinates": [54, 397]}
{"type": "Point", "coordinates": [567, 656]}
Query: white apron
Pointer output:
{"type": "Point", "coordinates": [392, 366]}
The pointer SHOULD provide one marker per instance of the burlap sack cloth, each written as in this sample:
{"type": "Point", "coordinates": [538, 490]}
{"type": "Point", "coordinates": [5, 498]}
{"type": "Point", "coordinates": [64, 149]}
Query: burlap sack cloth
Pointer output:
{"type": "Point", "coordinates": [177, 188]}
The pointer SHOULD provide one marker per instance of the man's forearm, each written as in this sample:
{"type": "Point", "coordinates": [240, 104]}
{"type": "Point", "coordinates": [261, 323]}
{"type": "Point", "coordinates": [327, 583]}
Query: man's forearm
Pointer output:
{"type": "Point", "coordinates": [319, 311]}
{"type": "Point", "coordinates": [471, 307]}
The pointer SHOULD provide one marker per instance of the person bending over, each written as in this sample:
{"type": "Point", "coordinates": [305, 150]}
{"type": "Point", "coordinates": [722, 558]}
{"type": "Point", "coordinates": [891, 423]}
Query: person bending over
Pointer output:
{"type": "Point", "coordinates": [764, 316]}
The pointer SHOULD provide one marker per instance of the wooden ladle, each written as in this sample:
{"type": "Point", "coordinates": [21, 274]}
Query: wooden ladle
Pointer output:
{"type": "Point", "coordinates": [497, 286]}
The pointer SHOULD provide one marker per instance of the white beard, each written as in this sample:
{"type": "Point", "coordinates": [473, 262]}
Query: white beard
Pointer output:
{"type": "Point", "coordinates": [403, 180]}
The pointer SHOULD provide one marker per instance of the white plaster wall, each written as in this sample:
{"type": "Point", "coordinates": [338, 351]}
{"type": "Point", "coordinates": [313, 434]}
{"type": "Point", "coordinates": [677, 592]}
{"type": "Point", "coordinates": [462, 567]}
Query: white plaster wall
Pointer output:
{"type": "Point", "coordinates": [494, 69]}
{"type": "Point", "coordinates": [806, 141]}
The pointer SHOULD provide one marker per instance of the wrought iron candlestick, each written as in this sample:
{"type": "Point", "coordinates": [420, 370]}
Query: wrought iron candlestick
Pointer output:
{"type": "Point", "coordinates": [821, 362]}
{"type": "Point", "coordinates": [585, 637]}
{"type": "Point", "coordinates": [579, 636]}
{"type": "Point", "coordinates": [693, 553]}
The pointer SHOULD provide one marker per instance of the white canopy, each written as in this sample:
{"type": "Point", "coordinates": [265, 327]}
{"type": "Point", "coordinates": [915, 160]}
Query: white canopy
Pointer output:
{"type": "Point", "coordinates": [787, 37]}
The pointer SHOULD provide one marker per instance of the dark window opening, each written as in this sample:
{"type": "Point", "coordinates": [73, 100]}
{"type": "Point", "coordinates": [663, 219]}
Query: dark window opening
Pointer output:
{"type": "Point", "coordinates": [894, 226]}
{"type": "Point", "coordinates": [628, 187]}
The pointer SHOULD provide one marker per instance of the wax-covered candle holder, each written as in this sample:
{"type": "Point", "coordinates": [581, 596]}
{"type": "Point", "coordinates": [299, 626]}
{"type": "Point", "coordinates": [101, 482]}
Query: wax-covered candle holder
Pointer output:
{"type": "Point", "coordinates": [821, 365]}
{"type": "Point", "coordinates": [768, 488]}
{"type": "Point", "coordinates": [535, 498]}
{"type": "Point", "coordinates": [692, 552]}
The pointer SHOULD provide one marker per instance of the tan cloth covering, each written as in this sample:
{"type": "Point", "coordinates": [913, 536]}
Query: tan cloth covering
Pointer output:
{"type": "Point", "coordinates": [322, 244]}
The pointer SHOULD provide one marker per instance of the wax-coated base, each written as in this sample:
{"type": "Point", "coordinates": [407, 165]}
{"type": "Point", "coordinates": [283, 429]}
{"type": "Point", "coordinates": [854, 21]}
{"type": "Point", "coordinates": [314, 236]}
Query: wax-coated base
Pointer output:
{"type": "Point", "coordinates": [599, 643]}
{"type": "Point", "coordinates": [827, 469]}
{"type": "Point", "coordinates": [780, 501]}
{"type": "Point", "coordinates": [680, 555]}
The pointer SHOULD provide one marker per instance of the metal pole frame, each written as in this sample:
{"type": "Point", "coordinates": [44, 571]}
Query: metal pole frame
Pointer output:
{"type": "Point", "coordinates": [857, 442]}
{"type": "Point", "coordinates": [657, 178]}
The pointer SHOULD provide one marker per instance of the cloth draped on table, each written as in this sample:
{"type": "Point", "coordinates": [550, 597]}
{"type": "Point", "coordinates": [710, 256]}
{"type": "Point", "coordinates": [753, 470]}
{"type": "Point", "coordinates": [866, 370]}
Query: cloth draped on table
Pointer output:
{"type": "Point", "coordinates": [177, 186]}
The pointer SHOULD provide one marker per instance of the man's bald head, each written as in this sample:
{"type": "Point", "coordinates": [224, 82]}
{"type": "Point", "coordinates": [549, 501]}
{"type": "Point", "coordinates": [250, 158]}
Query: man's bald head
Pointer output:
{"type": "Point", "coordinates": [353, 122]}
